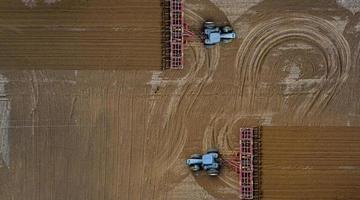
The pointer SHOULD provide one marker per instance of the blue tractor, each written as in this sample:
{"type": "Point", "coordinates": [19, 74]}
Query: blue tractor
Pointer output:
{"type": "Point", "coordinates": [208, 162]}
{"type": "Point", "coordinates": [214, 34]}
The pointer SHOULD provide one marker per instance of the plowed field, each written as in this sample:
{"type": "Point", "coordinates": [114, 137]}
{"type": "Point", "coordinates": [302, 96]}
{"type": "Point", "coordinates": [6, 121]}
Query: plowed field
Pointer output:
{"type": "Point", "coordinates": [87, 114]}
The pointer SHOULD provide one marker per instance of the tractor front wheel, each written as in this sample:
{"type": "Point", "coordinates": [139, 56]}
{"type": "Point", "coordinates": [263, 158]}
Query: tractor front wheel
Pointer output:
{"type": "Point", "coordinates": [209, 25]}
{"type": "Point", "coordinates": [213, 172]}
{"type": "Point", "coordinates": [212, 150]}
{"type": "Point", "coordinates": [195, 168]}
{"type": "Point", "coordinates": [227, 29]}
{"type": "Point", "coordinates": [225, 41]}
{"type": "Point", "coordinates": [196, 156]}
{"type": "Point", "coordinates": [208, 46]}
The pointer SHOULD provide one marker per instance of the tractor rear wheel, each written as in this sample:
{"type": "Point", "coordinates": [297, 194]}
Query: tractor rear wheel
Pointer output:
{"type": "Point", "coordinates": [212, 150]}
{"type": "Point", "coordinates": [212, 172]}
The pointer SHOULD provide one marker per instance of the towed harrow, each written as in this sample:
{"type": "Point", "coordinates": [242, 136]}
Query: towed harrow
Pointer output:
{"type": "Point", "coordinates": [247, 163]}
{"type": "Point", "coordinates": [175, 34]}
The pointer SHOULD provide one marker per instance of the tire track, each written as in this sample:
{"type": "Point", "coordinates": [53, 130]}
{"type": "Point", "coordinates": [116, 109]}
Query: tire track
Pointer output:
{"type": "Point", "coordinates": [221, 139]}
{"type": "Point", "coordinates": [190, 83]}
{"type": "Point", "coordinates": [280, 29]}
{"type": "Point", "coordinates": [249, 59]}
{"type": "Point", "coordinates": [172, 134]}
{"type": "Point", "coordinates": [176, 114]}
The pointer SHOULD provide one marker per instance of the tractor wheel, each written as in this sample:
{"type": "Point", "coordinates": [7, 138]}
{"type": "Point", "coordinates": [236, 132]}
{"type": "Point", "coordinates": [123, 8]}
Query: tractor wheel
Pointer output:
{"type": "Point", "coordinates": [208, 46]}
{"type": "Point", "coordinates": [226, 41]}
{"type": "Point", "coordinates": [212, 150]}
{"type": "Point", "coordinates": [212, 172]}
{"type": "Point", "coordinates": [209, 24]}
{"type": "Point", "coordinates": [195, 168]}
{"type": "Point", "coordinates": [196, 156]}
{"type": "Point", "coordinates": [227, 29]}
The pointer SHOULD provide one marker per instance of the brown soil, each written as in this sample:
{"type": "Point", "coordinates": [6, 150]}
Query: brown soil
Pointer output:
{"type": "Point", "coordinates": [124, 134]}
{"type": "Point", "coordinates": [81, 34]}
{"type": "Point", "coordinates": [311, 162]}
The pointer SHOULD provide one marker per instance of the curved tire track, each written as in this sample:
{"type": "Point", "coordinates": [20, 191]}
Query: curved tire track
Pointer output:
{"type": "Point", "coordinates": [317, 31]}
{"type": "Point", "coordinates": [250, 57]}
{"type": "Point", "coordinates": [172, 134]}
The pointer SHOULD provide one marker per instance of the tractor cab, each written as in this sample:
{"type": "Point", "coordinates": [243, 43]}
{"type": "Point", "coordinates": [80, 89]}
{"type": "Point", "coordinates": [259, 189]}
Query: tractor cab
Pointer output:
{"type": "Point", "coordinates": [213, 37]}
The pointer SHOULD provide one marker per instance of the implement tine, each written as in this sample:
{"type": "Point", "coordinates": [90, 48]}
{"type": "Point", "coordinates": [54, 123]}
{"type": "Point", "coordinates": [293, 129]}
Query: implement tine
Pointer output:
{"type": "Point", "coordinates": [250, 169]}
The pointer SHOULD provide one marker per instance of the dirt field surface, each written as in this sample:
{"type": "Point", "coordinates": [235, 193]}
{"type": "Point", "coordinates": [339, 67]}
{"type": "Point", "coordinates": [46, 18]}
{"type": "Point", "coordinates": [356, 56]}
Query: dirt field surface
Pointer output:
{"type": "Point", "coordinates": [80, 134]}
{"type": "Point", "coordinates": [80, 34]}
{"type": "Point", "coordinates": [308, 163]}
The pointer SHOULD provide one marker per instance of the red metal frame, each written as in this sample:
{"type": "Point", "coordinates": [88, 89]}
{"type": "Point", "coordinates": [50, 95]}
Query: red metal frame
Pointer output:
{"type": "Point", "coordinates": [188, 35]}
{"type": "Point", "coordinates": [246, 163]}
{"type": "Point", "coordinates": [233, 162]}
{"type": "Point", "coordinates": [179, 34]}
{"type": "Point", "coordinates": [176, 34]}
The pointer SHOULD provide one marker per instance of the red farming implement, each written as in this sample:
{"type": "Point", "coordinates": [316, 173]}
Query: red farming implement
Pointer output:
{"type": "Point", "coordinates": [246, 162]}
{"type": "Point", "coordinates": [175, 34]}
